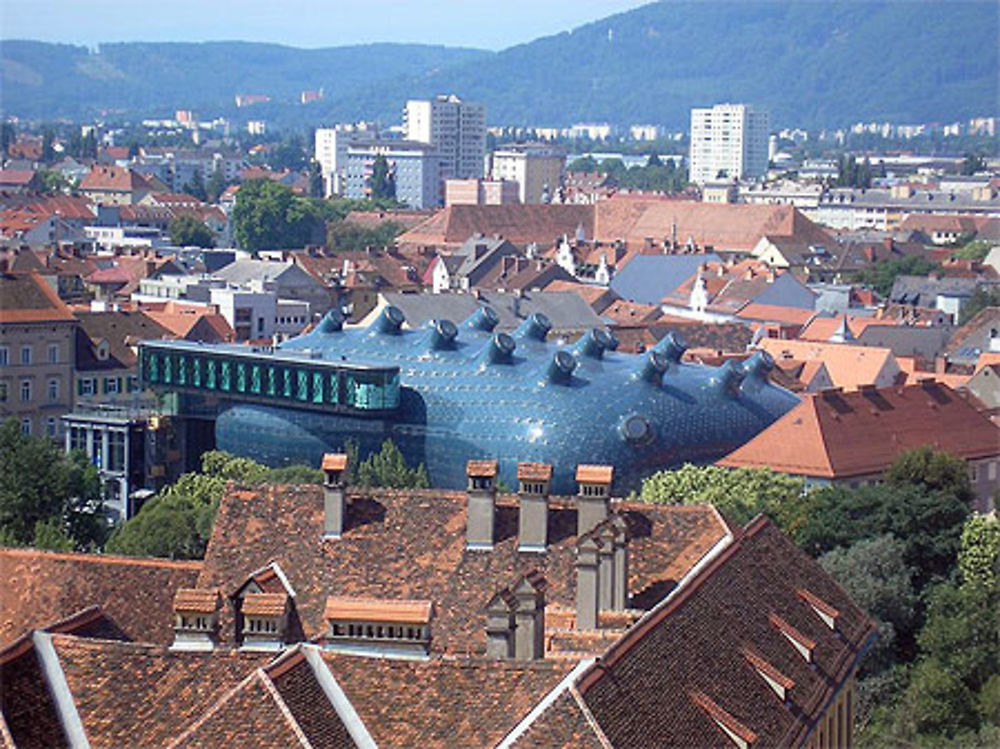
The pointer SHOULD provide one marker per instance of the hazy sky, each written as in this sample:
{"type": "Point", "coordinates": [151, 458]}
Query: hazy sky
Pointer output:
{"type": "Point", "coordinates": [489, 24]}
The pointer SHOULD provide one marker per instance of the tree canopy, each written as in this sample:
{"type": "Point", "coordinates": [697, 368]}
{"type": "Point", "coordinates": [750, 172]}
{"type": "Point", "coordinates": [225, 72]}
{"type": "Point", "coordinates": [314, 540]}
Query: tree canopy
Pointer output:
{"type": "Point", "coordinates": [186, 230]}
{"type": "Point", "coordinates": [881, 276]}
{"type": "Point", "coordinates": [383, 181]}
{"type": "Point", "coordinates": [47, 498]}
{"type": "Point", "coordinates": [268, 216]}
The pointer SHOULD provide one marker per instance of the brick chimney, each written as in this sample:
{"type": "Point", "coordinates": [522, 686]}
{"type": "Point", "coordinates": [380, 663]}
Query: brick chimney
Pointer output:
{"type": "Point", "coordinates": [592, 500]}
{"type": "Point", "coordinates": [529, 617]}
{"type": "Point", "coordinates": [481, 507]}
{"type": "Point", "coordinates": [588, 550]}
{"type": "Point", "coordinates": [334, 502]}
{"type": "Point", "coordinates": [533, 514]}
{"type": "Point", "coordinates": [500, 624]}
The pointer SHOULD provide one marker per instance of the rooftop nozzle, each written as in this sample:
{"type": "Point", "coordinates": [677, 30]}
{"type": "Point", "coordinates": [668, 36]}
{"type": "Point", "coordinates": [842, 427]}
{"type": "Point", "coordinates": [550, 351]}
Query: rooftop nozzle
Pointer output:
{"type": "Point", "coordinates": [537, 326]}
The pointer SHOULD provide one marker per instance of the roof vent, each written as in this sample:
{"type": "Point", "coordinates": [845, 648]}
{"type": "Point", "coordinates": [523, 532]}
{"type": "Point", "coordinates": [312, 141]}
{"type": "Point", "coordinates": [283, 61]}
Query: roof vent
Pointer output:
{"type": "Point", "coordinates": [592, 500]}
{"type": "Point", "coordinates": [442, 335]}
{"type": "Point", "coordinates": [390, 320]}
{"type": "Point", "coordinates": [265, 619]}
{"type": "Point", "coordinates": [481, 504]}
{"type": "Point", "coordinates": [593, 343]}
{"type": "Point", "coordinates": [741, 736]}
{"type": "Point", "coordinates": [780, 684]}
{"type": "Point", "coordinates": [823, 610]}
{"type": "Point", "coordinates": [759, 366]}
{"type": "Point", "coordinates": [727, 379]}
{"type": "Point", "coordinates": [654, 366]}
{"type": "Point", "coordinates": [560, 370]}
{"type": "Point", "coordinates": [334, 467]}
{"type": "Point", "coordinates": [500, 624]}
{"type": "Point", "coordinates": [332, 322]}
{"type": "Point", "coordinates": [485, 319]}
{"type": "Point", "coordinates": [533, 514]}
{"type": "Point", "coordinates": [672, 346]}
{"type": "Point", "coordinates": [536, 326]}
{"type": "Point", "coordinates": [368, 626]}
{"type": "Point", "coordinates": [802, 644]}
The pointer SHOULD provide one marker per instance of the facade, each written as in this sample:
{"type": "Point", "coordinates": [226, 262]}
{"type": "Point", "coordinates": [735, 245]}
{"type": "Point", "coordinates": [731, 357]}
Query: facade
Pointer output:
{"type": "Point", "coordinates": [256, 312]}
{"type": "Point", "coordinates": [37, 336]}
{"type": "Point", "coordinates": [415, 167]}
{"type": "Point", "coordinates": [480, 192]}
{"type": "Point", "coordinates": [536, 168]}
{"type": "Point", "coordinates": [447, 392]}
{"type": "Point", "coordinates": [455, 128]}
{"type": "Point", "coordinates": [728, 141]}
{"type": "Point", "coordinates": [837, 437]}
{"type": "Point", "coordinates": [331, 152]}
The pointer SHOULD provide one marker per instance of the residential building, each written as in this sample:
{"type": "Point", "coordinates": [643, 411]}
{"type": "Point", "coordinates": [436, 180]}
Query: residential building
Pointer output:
{"type": "Point", "coordinates": [37, 337]}
{"type": "Point", "coordinates": [480, 192]}
{"type": "Point", "coordinates": [256, 313]}
{"type": "Point", "coordinates": [537, 168]}
{"type": "Point", "coordinates": [837, 437]}
{"type": "Point", "coordinates": [582, 627]}
{"type": "Point", "coordinates": [455, 128]}
{"type": "Point", "coordinates": [728, 141]}
{"type": "Point", "coordinates": [978, 337]}
{"type": "Point", "coordinates": [415, 167]}
{"type": "Point", "coordinates": [290, 281]}
{"type": "Point", "coordinates": [115, 185]}
{"type": "Point", "coordinates": [850, 366]}
{"type": "Point", "coordinates": [330, 152]}
{"type": "Point", "coordinates": [469, 264]}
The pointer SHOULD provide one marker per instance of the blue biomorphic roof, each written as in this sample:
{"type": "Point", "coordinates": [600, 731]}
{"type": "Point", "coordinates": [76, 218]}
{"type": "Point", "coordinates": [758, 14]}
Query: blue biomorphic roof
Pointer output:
{"type": "Point", "coordinates": [468, 392]}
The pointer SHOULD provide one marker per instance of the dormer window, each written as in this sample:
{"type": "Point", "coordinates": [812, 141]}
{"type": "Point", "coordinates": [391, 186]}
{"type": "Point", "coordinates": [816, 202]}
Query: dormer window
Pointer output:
{"type": "Point", "coordinates": [103, 351]}
{"type": "Point", "coordinates": [822, 609]}
{"type": "Point", "coordinates": [802, 644]}
{"type": "Point", "coordinates": [777, 681]}
{"type": "Point", "coordinates": [368, 626]}
{"type": "Point", "coordinates": [264, 616]}
{"type": "Point", "coordinates": [196, 619]}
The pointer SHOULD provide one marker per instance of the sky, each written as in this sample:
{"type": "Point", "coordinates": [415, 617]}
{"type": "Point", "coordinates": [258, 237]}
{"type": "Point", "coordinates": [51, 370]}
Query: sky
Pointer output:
{"type": "Point", "coordinates": [487, 24]}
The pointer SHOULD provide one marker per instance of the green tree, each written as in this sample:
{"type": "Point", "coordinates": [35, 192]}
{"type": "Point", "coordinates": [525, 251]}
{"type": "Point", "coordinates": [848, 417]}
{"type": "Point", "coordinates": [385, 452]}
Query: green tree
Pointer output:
{"type": "Point", "coordinates": [972, 163]}
{"type": "Point", "coordinates": [177, 522]}
{"type": "Point", "coordinates": [186, 230]}
{"type": "Point", "coordinates": [388, 468]}
{"type": "Point", "coordinates": [738, 494]}
{"type": "Point", "coordinates": [45, 490]}
{"type": "Point", "coordinates": [383, 182]}
{"type": "Point", "coordinates": [48, 152]}
{"type": "Point", "coordinates": [881, 276]}
{"type": "Point", "coordinates": [216, 185]}
{"type": "Point", "coordinates": [345, 235]}
{"type": "Point", "coordinates": [933, 470]}
{"type": "Point", "coordinates": [979, 558]}
{"type": "Point", "coordinates": [290, 154]}
{"type": "Point", "coordinates": [196, 186]}
{"type": "Point", "coordinates": [982, 297]}
{"type": "Point", "coordinates": [583, 164]}
{"type": "Point", "coordinates": [8, 136]}
{"type": "Point", "coordinates": [269, 216]}
{"type": "Point", "coordinates": [53, 183]}
{"type": "Point", "coordinates": [975, 250]}
{"type": "Point", "coordinates": [315, 180]}
{"type": "Point", "coordinates": [875, 574]}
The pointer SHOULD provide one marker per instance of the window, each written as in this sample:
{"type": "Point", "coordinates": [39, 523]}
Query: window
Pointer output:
{"type": "Point", "coordinates": [26, 427]}
{"type": "Point", "coordinates": [133, 383]}
{"type": "Point", "coordinates": [116, 451]}
{"type": "Point", "coordinates": [53, 390]}
{"type": "Point", "coordinates": [53, 353]}
{"type": "Point", "coordinates": [25, 391]}
{"type": "Point", "coordinates": [86, 386]}
{"type": "Point", "coordinates": [4, 356]}
{"type": "Point", "coordinates": [25, 355]}
{"type": "Point", "coordinates": [50, 427]}
{"type": "Point", "coordinates": [3, 392]}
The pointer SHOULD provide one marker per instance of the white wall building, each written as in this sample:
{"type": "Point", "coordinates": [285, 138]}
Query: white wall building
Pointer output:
{"type": "Point", "coordinates": [330, 152]}
{"type": "Point", "coordinates": [536, 168]}
{"type": "Point", "coordinates": [730, 141]}
{"type": "Point", "coordinates": [456, 129]}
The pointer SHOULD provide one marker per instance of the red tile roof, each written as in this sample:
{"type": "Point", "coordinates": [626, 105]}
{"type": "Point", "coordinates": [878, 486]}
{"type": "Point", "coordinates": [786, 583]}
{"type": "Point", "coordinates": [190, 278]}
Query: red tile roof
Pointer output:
{"type": "Point", "coordinates": [594, 474]}
{"type": "Point", "coordinates": [196, 600]}
{"type": "Point", "coordinates": [835, 434]}
{"type": "Point", "coordinates": [521, 224]}
{"type": "Point", "coordinates": [849, 366]}
{"type": "Point", "coordinates": [137, 594]}
{"type": "Point", "coordinates": [378, 610]}
{"type": "Point", "coordinates": [27, 298]}
{"type": "Point", "coordinates": [481, 468]}
{"type": "Point", "coordinates": [265, 604]}
{"type": "Point", "coordinates": [534, 471]}
{"type": "Point", "coordinates": [106, 178]}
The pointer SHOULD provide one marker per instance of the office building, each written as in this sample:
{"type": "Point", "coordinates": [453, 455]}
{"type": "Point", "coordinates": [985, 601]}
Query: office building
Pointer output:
{"type": "Point", "coordinates": [728, 141]}
{"type": "Point", "coordinates": [537, 169]}
{"type": "Point", "coordinates": [414, 166]}
{"type": "Point", "coordinates": [456, 129]}
{"type": "Point", "coordinates": [331, 152]}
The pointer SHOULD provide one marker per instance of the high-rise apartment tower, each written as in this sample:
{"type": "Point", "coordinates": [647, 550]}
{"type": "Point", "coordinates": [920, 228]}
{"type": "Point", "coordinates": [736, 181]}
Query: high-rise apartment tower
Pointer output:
{"type": "Point", "coordinates": [728, 141]}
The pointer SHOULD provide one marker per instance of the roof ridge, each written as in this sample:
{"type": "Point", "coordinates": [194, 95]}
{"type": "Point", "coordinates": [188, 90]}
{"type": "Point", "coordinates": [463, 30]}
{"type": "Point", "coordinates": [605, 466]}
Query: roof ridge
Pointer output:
{"type": "Point", "coordinates": [290, 720]}
{"type": "Point", "coordinates": [213, 709]}
{"type": "Point", "coordinates": [71, 556]}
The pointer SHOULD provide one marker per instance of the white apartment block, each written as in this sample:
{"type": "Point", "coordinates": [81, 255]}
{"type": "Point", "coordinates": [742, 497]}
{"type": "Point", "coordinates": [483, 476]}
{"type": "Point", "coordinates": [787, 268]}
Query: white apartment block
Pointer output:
{"type": "Point", "coordinates": [537, 169]}
{"type": "Point", "coordinates": [330, 152]}
{"type": "Point", "coordinates": [456, 129]}
{"type": "Point", "coordinates": [728, 141]}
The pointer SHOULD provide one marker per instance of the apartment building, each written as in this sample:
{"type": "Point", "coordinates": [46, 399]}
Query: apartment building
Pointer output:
{"type": "Point", "coordinates": [37, 337]}
{"type": "Point", "coordinates": [728, 141]}
{"type": "Point", "coordinates": [331, 152]}
{"type": "Point", "coordinates": [536, 168]}
{"type": "Point", "coordinates": [415, 166]}
{"type": "Point", "coordinates": [455, 128]}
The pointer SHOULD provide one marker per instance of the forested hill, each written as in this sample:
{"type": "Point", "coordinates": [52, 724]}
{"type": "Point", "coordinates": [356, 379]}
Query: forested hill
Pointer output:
{"type": "Point", "coordinates": [811, 63]}
{"type": "Point", "coordinates": [148, 79]}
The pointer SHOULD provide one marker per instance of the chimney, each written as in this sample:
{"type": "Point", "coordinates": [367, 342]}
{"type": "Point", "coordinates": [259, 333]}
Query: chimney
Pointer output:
{"type": "Point", "coordinates": [334, 504]}
{"type": "Point", "coordinates": [196, 619]}
{"type": "Point", "coordinates": [529, 617]}
{"type": "Point", "coordinates": [605, 565]}
{"type": "Point", "coordinates": [481, 504]}
{"type": "Point", "coordinates": [588, 550]}
{"type": "Point", "coordinates": [619, 597]}
{"type": "Point", "coordinates": [592, 499]}
{"type": "Point", "coordinates": [533, 515]}
{"type": "Point", "coordinates": [500, 624]}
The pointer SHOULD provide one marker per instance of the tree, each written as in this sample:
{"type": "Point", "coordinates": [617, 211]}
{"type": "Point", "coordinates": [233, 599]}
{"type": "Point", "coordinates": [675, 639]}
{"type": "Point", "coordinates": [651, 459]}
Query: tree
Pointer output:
{"type": "Point", "coordinates": [345, 235]}
{"type": "Point", "coordinates": [881, 276]}
{"type": "Point", "coordinates": [48, 152]}
{"type": "Point", "coordinates": [177, 522]}
{"type": "Point", "coordinates": [583, 164]}
{"type": "Point", "coordinates": [933, 470]}
{"type": "Point", "coordinates": [186, 230]}
{"type": "Point", "coordinates": [216, 185]}
{"type": "Point", "coordinates": [315, 180]}
{"type": "Point", "coordinates": [269, 216]}
{"type": "Point", "coordinates": [53, 183]}
{"type": "Point", "coordinates": [388, 468]}
{"type": "Point", "coordinates": [875, 574]}
{"type": "Point", "coordinates": [982, 297]}
{"type": "Point", "coordinates": [738, 494]}
{"type": "Point", "coordinates": [972, 163]}
{"type": "Point", "coordinates": [383, 182]}
{"type": "Point", "coordinates": [44, 491]}
{"type": "Point", "coordinates": [196, 186]}
{"type": "Point", "coordinates": [8, 136]}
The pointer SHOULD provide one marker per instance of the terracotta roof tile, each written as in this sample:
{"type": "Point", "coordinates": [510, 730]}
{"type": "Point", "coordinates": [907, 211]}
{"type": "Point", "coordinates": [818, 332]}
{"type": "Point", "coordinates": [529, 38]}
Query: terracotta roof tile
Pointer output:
{"type": "Point", "coordinates": [594, 474]}
{"type": "Point", "coordinates": [534, 471]}
{"type": "Point", "coordinates": [563, 725]}
{"type": "Point", "coordinates": [848, 365]}
{"type": "Point", "coordinates": [835, 434]}
{"type": "Point", "coordinates": [137, 594]}
{"type": "Point", "coordinates": [196, 600]}
{"type": "Point", "coordinates": [334, 462]}
{"type": "Point", "coordinates": [378, 610]}
{"type": "Point", "coordinates": [481, 468]}
{"type": "Point", "coordinates": [27, 298]}
{"type": "Point", "coordinates": [265, 604]}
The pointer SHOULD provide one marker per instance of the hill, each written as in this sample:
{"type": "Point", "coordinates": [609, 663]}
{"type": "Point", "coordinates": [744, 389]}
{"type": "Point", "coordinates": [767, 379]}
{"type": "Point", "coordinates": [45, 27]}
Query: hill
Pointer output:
{"type": "Point", "coordinates": [811, 63]}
